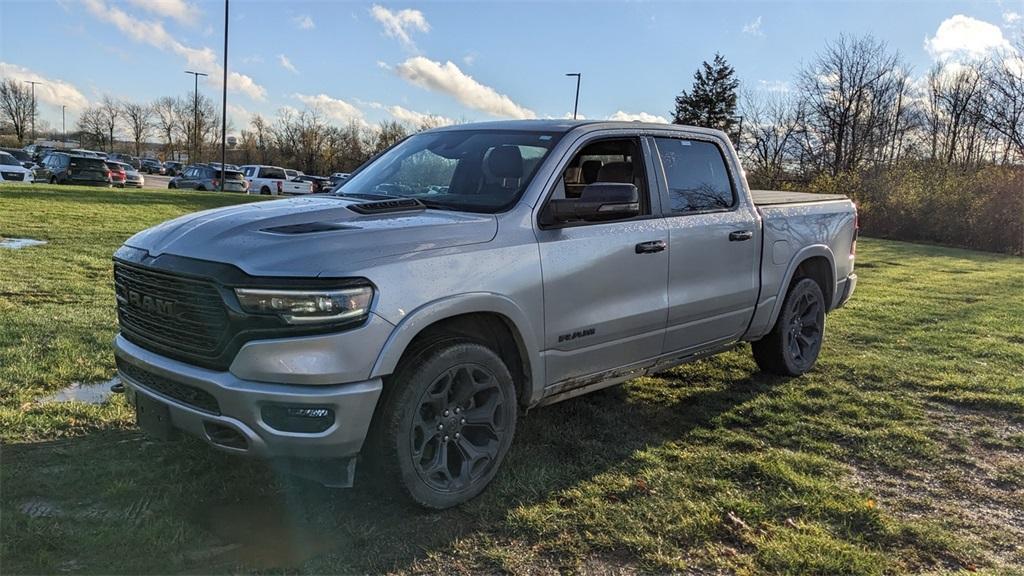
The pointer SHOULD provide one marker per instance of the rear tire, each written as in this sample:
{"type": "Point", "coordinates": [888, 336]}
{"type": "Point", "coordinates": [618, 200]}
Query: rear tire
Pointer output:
{"type": "Point", "coordinates": [792, 347]}
{"type": "Point", "coordinates": [264, 191]}
{"type": "Point", "coordinates": [172, 186]}
{"type": "Point", "coordinates": [447, 420]}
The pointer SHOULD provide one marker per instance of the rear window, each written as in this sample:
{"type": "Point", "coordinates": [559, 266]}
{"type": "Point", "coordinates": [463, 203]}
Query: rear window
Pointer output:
{"type": "Point", "coordinates": [698, 180]}
{"type": "Point", "coordinates": [275, 173]}
{"type": "Point", "coordinates": [232, 175]}
{"type": "Point", "coordinates": [88, 163]}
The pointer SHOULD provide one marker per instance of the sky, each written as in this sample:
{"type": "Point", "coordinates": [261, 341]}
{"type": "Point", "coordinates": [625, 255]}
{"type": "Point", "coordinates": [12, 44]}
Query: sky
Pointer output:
{"type": "Point", "coordinates": [456, 61]}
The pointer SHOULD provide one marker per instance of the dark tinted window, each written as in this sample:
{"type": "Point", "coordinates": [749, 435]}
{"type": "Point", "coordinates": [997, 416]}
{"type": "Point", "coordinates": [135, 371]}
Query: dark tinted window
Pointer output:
{"type": "Point", "coordinates": [276, 173]}
{"type": "Point", "coordinates": [8, 160]}
{"type": "Point", "coordinates": [697, 177]}
{"type": "Point", "coordinates": [88, 163]}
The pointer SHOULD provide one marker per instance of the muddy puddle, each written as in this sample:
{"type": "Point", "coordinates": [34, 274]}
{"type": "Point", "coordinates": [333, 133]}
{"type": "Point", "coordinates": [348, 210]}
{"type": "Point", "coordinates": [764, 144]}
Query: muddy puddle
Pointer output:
{"type": "Point", "coordinates": [89, 393]}
{"type": "Point", "coordinates": [18, 243]}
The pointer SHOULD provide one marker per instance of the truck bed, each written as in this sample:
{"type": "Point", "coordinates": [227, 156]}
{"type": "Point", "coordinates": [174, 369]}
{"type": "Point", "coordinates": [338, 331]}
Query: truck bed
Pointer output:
{"type": "Point", "coordinates": [775, 197]}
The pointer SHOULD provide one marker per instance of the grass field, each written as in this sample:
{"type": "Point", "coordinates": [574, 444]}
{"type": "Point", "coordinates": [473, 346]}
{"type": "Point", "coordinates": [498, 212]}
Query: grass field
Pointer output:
{"type": "Point", "coordinates": [902, 452]}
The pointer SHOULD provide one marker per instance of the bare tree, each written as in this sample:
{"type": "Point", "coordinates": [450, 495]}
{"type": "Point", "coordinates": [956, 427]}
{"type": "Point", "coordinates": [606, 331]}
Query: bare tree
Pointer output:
{"type": "Point", "coordinates": [16, 106]}
{"type": "Point", "coordinates": [845, 92]}
{"type": "Point", "coordinates": [771, 126]}
{"type": "Point", "coordinates": [140, 121]}
{"type": "Point", "coordinates": [165, 118]}
{"type": "Point", "coordinates": [109, 111]}
{"type": "Point", "coordinates": [1004, 105]}
{"type": "Point", "coordinates": [92, 127]}
{"type": "Point", "coordinates": [196, 120]}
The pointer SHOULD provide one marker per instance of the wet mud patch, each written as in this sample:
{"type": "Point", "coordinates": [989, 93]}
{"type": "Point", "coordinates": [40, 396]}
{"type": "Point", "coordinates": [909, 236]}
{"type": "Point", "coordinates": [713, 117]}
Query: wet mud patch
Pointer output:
{"type": "Point", "coordinates": [19, 243]}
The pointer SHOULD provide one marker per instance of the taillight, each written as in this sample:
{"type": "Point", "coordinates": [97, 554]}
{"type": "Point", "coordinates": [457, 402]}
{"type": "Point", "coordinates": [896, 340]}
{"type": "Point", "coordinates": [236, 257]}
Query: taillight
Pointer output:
{"type": "Point", "coordinates": [216, 183]}
{"type": "Point", "coordinates": [310, 187]}
{"type": "Point", "coordinates": [856, 231]}
{"type": "Point", "coordinates": [280, 187]}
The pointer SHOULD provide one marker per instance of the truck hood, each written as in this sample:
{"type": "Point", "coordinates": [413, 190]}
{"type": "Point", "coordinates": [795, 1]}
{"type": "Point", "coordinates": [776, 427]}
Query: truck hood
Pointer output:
{"type": "Point", "coordinates": [308, 236]}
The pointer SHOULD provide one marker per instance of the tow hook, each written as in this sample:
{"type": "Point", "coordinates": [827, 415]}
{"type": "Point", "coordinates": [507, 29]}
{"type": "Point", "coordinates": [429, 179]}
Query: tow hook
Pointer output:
{"type": "Point", "coordinates": [117, 388]}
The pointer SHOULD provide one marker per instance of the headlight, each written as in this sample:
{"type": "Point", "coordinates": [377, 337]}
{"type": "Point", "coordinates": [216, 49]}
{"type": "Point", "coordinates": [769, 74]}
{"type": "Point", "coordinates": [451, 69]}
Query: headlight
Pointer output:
{"type": "Point", "coordinates": [308, 306]}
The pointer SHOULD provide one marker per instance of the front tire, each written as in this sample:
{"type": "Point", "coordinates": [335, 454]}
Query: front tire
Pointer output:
{"type": "Point", "coordinates": [792, 347]}
{"type": "Point", "coordinates": [446, 424]}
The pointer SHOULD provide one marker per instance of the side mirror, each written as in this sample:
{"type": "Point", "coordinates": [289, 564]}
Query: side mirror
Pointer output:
{"type": "Point", "coordinates": [599, 202]}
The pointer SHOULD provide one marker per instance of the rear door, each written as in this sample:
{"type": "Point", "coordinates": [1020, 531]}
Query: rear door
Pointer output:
{"type": "Point", "coordinates": [714, 243]}
{"type": "Point", "coordinates": [604, 298]}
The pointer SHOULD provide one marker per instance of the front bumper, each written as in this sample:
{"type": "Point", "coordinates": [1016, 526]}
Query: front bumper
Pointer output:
{"type": "Point", "coordinates": [239, 407]}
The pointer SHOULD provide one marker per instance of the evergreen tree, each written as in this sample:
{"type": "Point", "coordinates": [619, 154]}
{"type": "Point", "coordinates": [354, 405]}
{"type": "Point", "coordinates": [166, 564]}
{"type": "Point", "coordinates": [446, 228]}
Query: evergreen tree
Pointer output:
{"type": "Point", "coordinates": [711, 103]}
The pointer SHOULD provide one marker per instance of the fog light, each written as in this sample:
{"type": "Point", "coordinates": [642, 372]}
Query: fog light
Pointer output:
{"type": "Point", "coordinates": [302, 419]}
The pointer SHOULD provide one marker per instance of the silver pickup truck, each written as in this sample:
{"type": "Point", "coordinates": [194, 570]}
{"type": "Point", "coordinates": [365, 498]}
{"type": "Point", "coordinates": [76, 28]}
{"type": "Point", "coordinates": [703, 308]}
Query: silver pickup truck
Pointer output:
{"type": "Point", "coordinates": [468, 274]}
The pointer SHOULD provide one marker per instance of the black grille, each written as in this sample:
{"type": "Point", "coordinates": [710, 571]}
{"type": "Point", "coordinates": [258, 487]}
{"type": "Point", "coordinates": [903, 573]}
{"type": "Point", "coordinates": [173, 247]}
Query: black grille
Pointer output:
{"type": "Point", "coordinates": [179, 316]}
{"type": "Point", "coordinates": [16, 176]}
{"type": "Point", "coordinates": [190, 395]}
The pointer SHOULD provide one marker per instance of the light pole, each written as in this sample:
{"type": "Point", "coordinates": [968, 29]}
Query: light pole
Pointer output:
{"type": "Point", "coordinates": [195, 119]}
{"type": "Point", "coordinates": [63, 126]}
{"type": "Point", "coordinates": [33, 83]}
{"type": "Point", "coordinates": [576, 106]}
{"type": "Point", "coordinates": [224, 104]}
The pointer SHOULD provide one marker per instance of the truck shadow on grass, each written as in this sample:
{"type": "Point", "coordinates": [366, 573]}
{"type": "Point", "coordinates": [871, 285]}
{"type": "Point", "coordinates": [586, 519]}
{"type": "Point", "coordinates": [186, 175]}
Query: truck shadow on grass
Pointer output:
{"type": "Point", "coordinates": [185, 508]}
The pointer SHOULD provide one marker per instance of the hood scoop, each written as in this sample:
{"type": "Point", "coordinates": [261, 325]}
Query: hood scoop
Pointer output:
{"type": "Point", "coordinates": [387, 206]}
{"type": "Point", "coordinates": [309, 228]}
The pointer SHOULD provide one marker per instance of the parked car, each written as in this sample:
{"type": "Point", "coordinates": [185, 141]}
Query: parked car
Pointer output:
{"type": "Point", "coordinates": [38, 151]}
{"type": "Point", "coordinates": [202, 177]}
{"type": "Point", "coordinates": [126, 159]}
{"type": "Point", "coordinates": [12, 170]}
{"type": "Point", "coordinates": [133, 179]}
{"type": "Point", "coordinates": [64, 168]}
{"type": "Point", "coordinates": [317, 183]}
{"type": "Point", "coordinates": [465, 274]}
{"type": "Point", "coordinates": [84, 152]}
{"type": "Point", "coordinates": [118, 177]}
{"type": "Point", "coordinates": [172, 168]}
{"type": "Point", "coordinates": [22, 156]}
{"type": "Point", "coordinates": [152, 166]}
{"type": "Point", "coordinates": [273, 180]}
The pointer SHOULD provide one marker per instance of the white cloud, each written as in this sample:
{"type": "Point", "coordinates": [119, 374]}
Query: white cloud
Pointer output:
{"type": "Point", "coordinates": [239, 117]}
{"type": "Point", "coordinates": [287, 64]}
{"type": "Point", "coordinates": [179, 10]}
{"type": "Point", "coordinates": [304, 22]}
{"type": "Point", "coordinates": [153, 33]}
{"type": "Point", "coordinates": [962, 37]}
{"type": "Point", "coordinates": [51, 91]}
{"type": "Point", "coordinates": [640, 116]}
{"type": "Point", "coordinates": [399, 24]}
{"type": "Point", "coordinates": [774, 85]}
{"type": "Point", "coordinates": [1010, 17]}
{"type": "Point", "coordinates": [753, 28]}
{"type": "Point", "coordinates": [417, 119]}
{"type": "Point", "coordinates": [252, 59]}
{"type": "Point", "coordinates": [335, 108]}
{"type": "Point", "coordinates": [448, 79]}
{"type": "Point", "coordinates": [469, 59]}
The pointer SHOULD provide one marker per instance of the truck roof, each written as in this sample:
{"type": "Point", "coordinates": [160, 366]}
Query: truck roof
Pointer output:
{"type": "Point", "coordinates": [562, 126]}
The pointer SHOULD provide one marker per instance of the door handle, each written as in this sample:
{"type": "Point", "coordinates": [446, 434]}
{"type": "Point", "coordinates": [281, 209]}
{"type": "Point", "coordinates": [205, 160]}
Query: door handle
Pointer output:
{"type": "Point", "coordinates": [651, 247]}
{"type": "Point", "coordinates": [740, 235]}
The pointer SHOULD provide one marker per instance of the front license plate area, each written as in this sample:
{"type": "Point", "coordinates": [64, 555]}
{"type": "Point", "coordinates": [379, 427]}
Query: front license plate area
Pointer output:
{"type": "Point", "coordinates": [153, 417]}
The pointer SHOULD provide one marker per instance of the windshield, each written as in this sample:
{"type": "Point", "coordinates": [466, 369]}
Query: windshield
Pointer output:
{"type": "Point", "coordinates": [8, 160]}
{"type": "Point", "coordinates": [471, 170]}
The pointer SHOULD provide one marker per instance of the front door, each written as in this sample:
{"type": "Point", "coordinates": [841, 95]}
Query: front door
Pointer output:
{"type": "Point", "coordinates": [714, 245]}
{"type": "Point", "coordinates": [604, 282]}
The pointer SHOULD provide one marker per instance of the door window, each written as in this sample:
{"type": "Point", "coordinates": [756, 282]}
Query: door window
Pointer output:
{"type": "Point", "coordinates": [617, 160]}
{"type": "Point", "coordinates": [697, 178]}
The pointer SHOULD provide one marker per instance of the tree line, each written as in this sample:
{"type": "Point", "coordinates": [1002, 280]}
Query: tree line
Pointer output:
{"type": "Point", "coordinates": [856, 105]}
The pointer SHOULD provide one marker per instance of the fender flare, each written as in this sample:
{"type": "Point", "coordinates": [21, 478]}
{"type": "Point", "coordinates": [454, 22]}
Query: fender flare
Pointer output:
{"type": "Point", "coordinates": [805, 253]}
{"type": "Point", "coordinates": [474, 302]}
